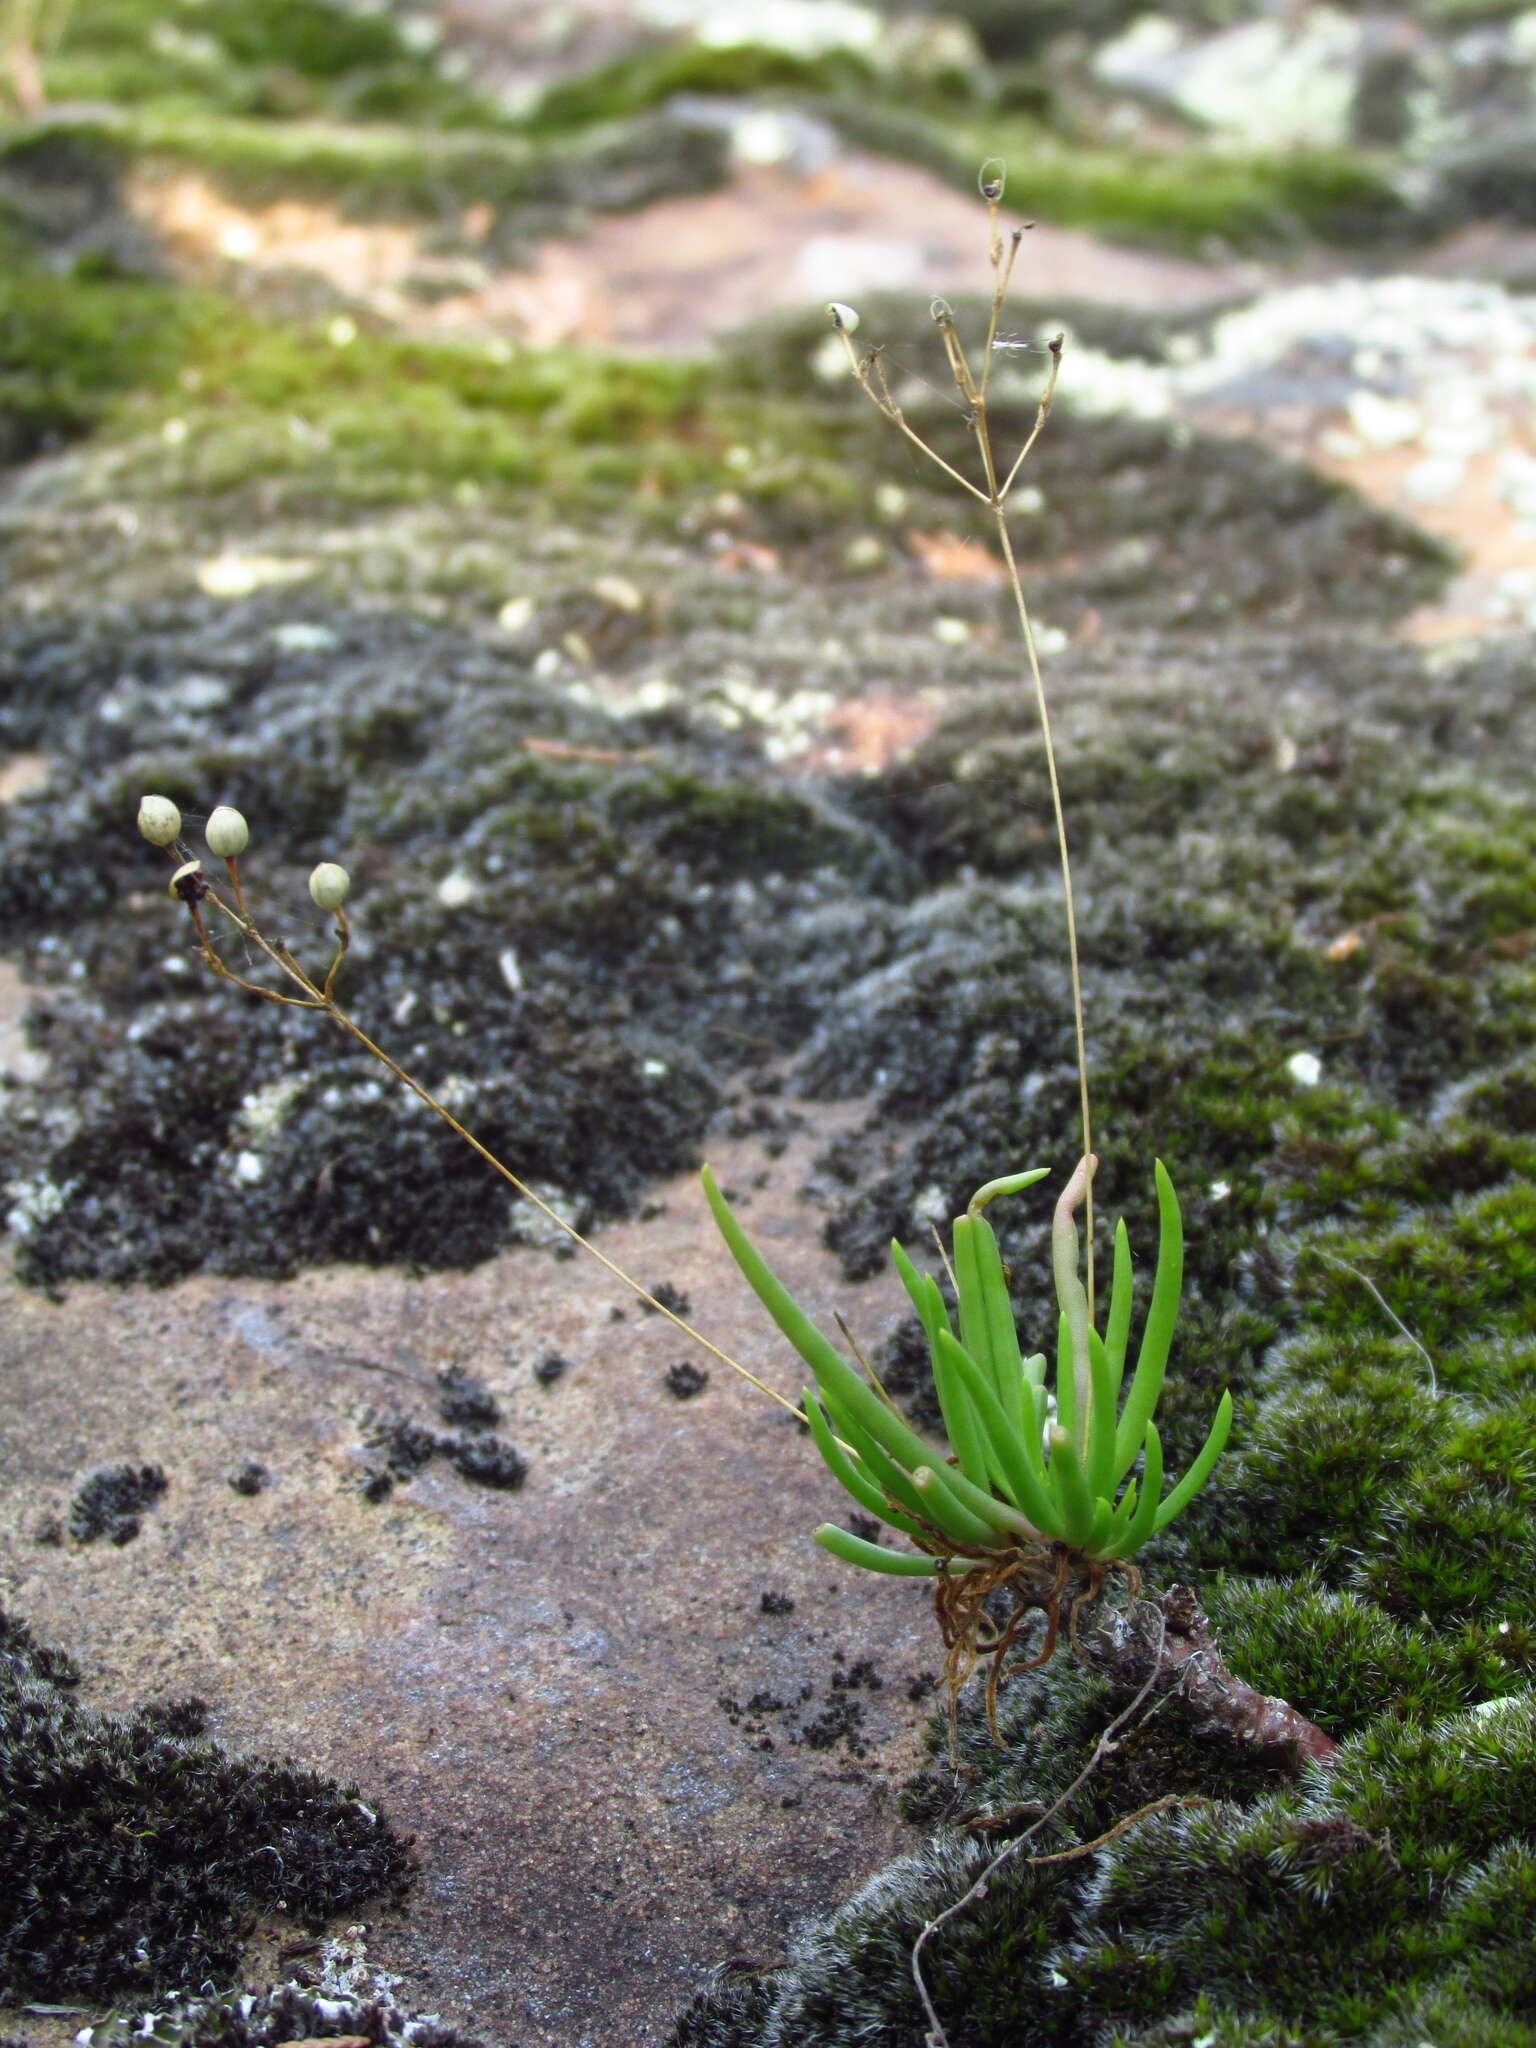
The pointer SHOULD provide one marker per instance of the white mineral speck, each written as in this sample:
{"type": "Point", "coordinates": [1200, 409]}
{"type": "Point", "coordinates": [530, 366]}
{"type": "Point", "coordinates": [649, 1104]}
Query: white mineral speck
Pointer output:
{"type": "Point", "coordinates": [457, 889]}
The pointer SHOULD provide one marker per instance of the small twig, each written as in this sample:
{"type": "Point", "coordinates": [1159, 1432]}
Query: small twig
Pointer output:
{"type": "Point", "coordinates": [1387, 1310]}
{"type": "Point", "coordinates": [1128, 1820]}
{"type": "Point", "coordinates": [564, 750]}
{"type": "Point", "coordinates": [1189, 1668]}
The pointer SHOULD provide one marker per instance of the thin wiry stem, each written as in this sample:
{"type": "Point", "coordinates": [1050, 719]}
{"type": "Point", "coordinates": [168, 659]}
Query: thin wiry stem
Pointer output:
{"type": "Point", "coordinates": [1042, 414]}
{"type": "Point", "coordinates": [868, 367]}
{"type": "Point", "coordinates": [321, 998]}
{"type": "Point", "coordinates": [1387, 1310]}
{"type": "Point", "coordinates": [993, 497]}
{"type": "Point", "coordinates": [1043, 709]}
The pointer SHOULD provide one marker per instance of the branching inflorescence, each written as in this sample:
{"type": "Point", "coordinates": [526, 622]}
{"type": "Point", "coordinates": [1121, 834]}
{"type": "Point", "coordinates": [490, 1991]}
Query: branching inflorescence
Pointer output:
{"type": "Point", "coordinates": [1038, 1506]}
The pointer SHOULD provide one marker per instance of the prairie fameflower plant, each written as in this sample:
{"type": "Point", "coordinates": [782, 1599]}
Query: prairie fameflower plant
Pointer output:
{"type": "Point", "coordinates": [1024, 1501]}
{"type": "Point", "coordinates": [1032, 1501]}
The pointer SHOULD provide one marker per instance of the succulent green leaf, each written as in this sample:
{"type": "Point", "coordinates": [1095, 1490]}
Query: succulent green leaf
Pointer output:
{"type": "Point", "coordinates": [896, 1564]}
{"type": "Point", "coordinates": [1078, 1508]}
{"type": "Point", "coordinates": [1002, 1333]}
{"type": "Point", "coordinates": [1200, 1471]}
{"type": "Point", "coordinates": [967, 1437]}
{"type": "Point", "coordinates": [923, 1292]}
{"type": "Point", "coordinates": [1072, 1299]}
{"type": "Point", "coordinates": [834, 1375]}
{"type": "Point", "coordinates": [849, 1476]}
{"type": "Point", "coordinates": [975, 1325]}
{"type": "Point", "coordinates": [1144, 1521]}
{"type": "Point", "coordinates": [1117, 1330]}
{"type": "Point", "coordinates": [1066, 1383]}
{"type": "Point", "coordinates": [1099, 1462]}
{"type": "Point", "coordinates": [1124, 1514]}
{"type": "Point", "coordinates": [1024, 1484]}
{"type": "Point", "coordinates": [974, 1516]}
{"type": "Point", "coordinates": [1157, 1336]}
{"type": "Point", "coordinates": [1006, 1519]}
{"type": "Point", "coordinates": [896, 1479]}
{"type": "Point", "coordinates": [1010, 1184]}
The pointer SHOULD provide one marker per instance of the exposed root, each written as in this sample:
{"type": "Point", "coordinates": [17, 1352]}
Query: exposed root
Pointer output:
{"type": "Point", "coordinates": [1038, 1579]}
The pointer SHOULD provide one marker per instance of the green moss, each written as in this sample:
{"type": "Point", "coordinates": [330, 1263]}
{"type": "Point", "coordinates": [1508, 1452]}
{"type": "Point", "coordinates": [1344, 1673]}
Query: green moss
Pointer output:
{"type": "Point", "coordinates": [1183, 197]}
{"type": "Point", "coordinates": [1452, 2017]}
{"type": "Point", "coordinates": [73, 343]}
{"type": "Point", "coordinates": [1194, 197]}
{"type": "Point", "coordinates": [1343, 1661]}
{"type": "Point", "coordinates": [278, 406]}
{"type": "Point", "coordinates": [648, 78]}
{"type": "Point", "coordinates": [286, 58]}
{"type": "Point", "coordinates": [1461, 1273]}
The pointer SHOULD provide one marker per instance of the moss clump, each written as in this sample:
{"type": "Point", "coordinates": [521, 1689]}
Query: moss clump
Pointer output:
{"type": "Point", "coordinates": [112, 1502]}
{"type": "Point", "coordinates": [1313, 1914]}
{"type": "Point", "coordinates": [288, 59]}
{"type": "Point", "coordinates": [395, 420]}
{"type": "Point", "coordinates": [133, 1859]}
{"type": "Point", "coordinates": [1184, 197]}
{"type": "Point", "coordinates": [73, 344]}
{"type": "Point", "coordinates": [215, 408]}
{"type": "Point", "coordinates": [381, 170]}
{"type": "Point", "coordinates": [649, 78]}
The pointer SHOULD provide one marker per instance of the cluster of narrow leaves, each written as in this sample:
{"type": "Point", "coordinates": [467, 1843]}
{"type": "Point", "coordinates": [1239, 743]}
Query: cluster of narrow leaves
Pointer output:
{"type": "Point", "coordinates": [1017, 1477]}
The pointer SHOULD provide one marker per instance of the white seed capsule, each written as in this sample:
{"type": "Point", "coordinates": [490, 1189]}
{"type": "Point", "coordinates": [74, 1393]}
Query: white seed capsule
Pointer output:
{"type": "Point", "coordinates": [328, 885]}
{"type": "Point", "coordinates": [226, 832]}
{"type": "Point", "coordinates": [159, 819]}
{"type": "Point", "coordinates": [843, 317]}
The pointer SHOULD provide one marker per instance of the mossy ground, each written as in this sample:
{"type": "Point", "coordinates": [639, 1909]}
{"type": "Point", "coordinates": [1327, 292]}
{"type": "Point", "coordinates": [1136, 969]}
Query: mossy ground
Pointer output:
{"type": "Point", "coordinates": [367, 108]}
{"type": "Point", "coordinates": [135, 1852]}
{"type": "Point", "coordinates": [1374, 1511]}
{"type": "Point", "coordinates": [1292, 838]}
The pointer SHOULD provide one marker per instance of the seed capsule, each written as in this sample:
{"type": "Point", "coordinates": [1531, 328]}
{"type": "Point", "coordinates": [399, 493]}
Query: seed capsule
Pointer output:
{"type": "Point", "coordinates": [328, 885]}
{"type": "Point", "coordinates": [159, 820]}
{"type": "Point", "coordinates": [226, 832]}
{"type": "Point", "coordinates": [843, 317]}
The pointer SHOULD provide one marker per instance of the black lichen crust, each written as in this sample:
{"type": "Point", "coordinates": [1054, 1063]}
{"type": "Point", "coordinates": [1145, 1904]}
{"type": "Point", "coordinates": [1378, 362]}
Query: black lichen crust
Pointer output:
{"type": "Point", "coordinates": [134, 1852]}
{"type": "Point", "coordinates": [406, 1446]}
{"type": "Point", "coordinates": [111, 1502]}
